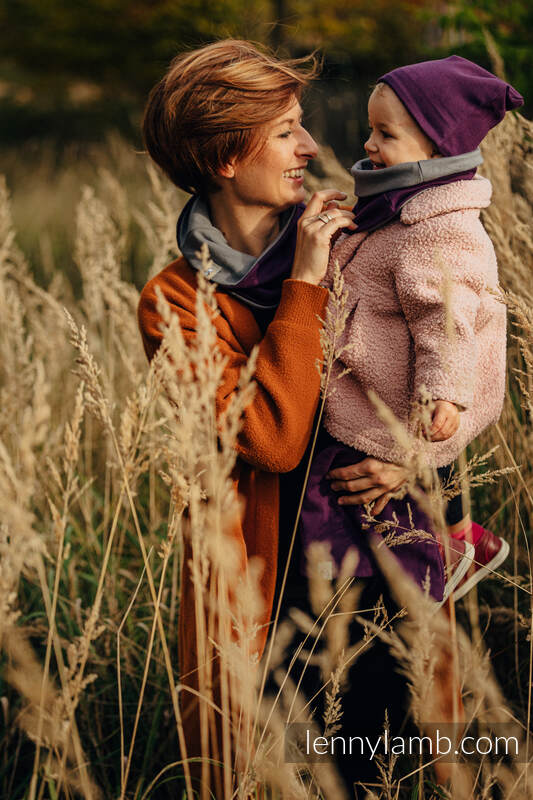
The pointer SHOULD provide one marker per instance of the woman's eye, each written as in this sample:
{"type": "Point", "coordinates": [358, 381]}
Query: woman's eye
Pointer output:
{"type": "Point", "coordinates": [285, 135]}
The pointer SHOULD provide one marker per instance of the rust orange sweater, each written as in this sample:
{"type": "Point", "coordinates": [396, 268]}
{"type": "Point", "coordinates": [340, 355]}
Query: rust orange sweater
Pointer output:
{"type": "Point", "coordinates": [277, 424]}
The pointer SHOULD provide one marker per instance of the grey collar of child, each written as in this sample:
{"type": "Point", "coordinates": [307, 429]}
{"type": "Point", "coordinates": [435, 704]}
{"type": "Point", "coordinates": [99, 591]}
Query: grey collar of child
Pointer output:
{"type": "Point", "coordinates": [370, 181]}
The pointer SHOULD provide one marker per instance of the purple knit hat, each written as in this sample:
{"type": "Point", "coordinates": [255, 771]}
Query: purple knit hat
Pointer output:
{"type": "Point", "coordinates": [454, 101]}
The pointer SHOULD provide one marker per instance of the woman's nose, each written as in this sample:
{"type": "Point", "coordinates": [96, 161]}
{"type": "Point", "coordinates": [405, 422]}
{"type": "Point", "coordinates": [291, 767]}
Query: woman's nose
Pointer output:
{"type": "Point", "coordinates": [307, 147]}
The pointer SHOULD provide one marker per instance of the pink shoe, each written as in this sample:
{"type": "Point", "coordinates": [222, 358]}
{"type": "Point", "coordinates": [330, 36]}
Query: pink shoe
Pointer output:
{"type": "Point", "coordinates": [490, 552]}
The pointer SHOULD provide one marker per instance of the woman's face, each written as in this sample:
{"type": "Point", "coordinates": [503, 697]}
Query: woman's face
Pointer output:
{"type": "Point", "coordinates": [273, 178]}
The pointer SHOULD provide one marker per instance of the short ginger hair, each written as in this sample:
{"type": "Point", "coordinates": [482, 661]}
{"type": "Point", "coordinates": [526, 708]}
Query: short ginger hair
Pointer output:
{"type": "Point", "coordinates": [211, 105]}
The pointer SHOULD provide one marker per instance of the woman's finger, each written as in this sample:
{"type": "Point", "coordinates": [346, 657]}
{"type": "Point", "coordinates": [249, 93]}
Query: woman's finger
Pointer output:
{"type": "Point", "coordinates": [346, 473]}
{"type": "Point", "coordinates": [326, 217]}
{"type": "Point", "coordinates": [320, 232]}
{"type": "Point", "coordinates": [353, 485]}
{"type": "Point", "coordinates": [360, 498]}
{"type": "Point", "coordinates": [379, 473]}
{"type": "Point", "coordinates": [380, 504]}
{"type": "Point", "coordinates": [321, 198]}
{"type": "Point", "coordinates": [337, 223]}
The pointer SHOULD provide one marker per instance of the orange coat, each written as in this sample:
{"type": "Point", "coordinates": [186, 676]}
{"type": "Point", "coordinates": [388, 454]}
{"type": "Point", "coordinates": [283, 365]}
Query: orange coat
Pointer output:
{"type": "Point", "coordinates": [276, 425]}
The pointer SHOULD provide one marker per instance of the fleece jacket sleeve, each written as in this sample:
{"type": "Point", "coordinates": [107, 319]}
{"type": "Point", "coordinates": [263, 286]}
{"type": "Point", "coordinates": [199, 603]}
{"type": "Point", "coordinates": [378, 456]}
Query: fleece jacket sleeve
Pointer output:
{"type": "Point", "coordinates": [439, 280]}
{"type": "Point", "coordinates": [278, 421]}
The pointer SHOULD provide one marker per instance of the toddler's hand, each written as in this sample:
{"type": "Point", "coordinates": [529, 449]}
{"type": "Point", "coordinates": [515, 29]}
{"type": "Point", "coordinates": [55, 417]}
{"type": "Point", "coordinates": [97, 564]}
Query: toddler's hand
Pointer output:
{"type": "Point", "coordinates": [445, 421]}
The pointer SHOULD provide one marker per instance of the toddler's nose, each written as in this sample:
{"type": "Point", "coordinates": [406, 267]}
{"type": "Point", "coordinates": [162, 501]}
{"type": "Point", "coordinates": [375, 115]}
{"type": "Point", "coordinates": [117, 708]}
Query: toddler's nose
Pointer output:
{"type": "Point", "coordinates": [369, 145]}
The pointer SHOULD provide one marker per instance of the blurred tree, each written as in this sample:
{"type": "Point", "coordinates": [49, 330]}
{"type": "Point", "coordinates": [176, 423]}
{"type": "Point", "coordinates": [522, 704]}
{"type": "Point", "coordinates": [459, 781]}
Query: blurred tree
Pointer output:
{"type": "Point", "coordinates": [120, 44]}
{"type": "Point", "coordinates": [125, 43]}
{"type": "Point", "coordinates": [67, 65]}
{"type": "Point", "coordinates": [369, 35]}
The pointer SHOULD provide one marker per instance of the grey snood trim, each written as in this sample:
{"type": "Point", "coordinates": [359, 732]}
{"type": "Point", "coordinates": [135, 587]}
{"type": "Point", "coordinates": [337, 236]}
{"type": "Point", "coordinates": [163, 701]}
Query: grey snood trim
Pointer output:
{"type": "Point", "coordinates": [370, 181]}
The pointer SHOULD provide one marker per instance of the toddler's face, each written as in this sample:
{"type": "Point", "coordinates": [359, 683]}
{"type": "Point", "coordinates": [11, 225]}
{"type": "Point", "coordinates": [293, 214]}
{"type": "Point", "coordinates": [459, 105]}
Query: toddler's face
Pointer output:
{"type": "Point", "coordinates": [395, 137]}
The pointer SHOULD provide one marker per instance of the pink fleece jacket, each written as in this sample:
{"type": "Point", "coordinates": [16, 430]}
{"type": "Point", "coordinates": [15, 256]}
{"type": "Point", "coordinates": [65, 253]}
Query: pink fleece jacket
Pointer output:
{"type": "Point", "coordinates": [397, 280]}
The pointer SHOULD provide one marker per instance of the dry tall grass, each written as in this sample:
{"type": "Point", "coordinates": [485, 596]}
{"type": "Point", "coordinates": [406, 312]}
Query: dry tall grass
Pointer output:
{"type": "Point", "coordinates": [99, 459]}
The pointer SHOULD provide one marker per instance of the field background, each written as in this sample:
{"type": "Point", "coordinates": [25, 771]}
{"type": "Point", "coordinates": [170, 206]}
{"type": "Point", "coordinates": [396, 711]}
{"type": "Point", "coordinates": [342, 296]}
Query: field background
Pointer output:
{"type": "Point", "coordinates": [83, 222]}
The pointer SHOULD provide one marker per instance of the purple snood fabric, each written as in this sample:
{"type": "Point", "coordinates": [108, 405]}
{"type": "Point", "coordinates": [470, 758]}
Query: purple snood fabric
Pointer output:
{"type": "Point", "coordinates": [376, 210]}
{"type": "Point", "coordinates": [257, 282]}
{"type": "Point", "coordinates": [263, 283]}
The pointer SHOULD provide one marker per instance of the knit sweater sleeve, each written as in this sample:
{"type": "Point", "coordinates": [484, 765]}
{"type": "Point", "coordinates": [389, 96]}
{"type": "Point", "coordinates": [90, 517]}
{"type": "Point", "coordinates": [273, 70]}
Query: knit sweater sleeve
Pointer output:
{"type": "Point", "coordinates": [278, 421]}
{"type": "Point", "coordinates": [439, 276]}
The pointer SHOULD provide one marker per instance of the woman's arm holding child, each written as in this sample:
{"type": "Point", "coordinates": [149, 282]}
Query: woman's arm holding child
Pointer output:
{"type": "Point", "coordinates": [374, 480]}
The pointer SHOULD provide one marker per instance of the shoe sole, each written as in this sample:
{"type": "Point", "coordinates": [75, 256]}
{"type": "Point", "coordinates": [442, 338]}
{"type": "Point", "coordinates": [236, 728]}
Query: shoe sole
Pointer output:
{"type": "Point", "coordinates": [460, 572]}
{"type": "Point", "coordinates": [483, 572]}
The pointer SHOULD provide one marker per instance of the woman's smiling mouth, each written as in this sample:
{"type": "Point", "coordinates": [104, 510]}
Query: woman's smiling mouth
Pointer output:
{"type": "Point", "coordinates": [291, 174]}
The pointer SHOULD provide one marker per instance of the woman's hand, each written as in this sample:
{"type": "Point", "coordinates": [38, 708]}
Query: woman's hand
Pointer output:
{"type": "Point", "coordinates": [368, 480]}
{"type": "Point", "coordinates": [320, 220]}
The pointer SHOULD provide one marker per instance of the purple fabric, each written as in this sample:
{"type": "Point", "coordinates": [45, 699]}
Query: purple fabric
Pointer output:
{"type": "Point", "coordinates": [454, 101]}
{"type": "Point", "coordinates": [322, 519]}
{"type": "Point", "coordinates": [260, 288]}
{"type": "Point", "coordinates": [263, 282]}
{"type": "Point", "coordinates": [375, 210]}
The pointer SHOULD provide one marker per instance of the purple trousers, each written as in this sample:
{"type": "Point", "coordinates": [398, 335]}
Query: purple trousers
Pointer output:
{"type": "Point", "coordinates": [323, 519]}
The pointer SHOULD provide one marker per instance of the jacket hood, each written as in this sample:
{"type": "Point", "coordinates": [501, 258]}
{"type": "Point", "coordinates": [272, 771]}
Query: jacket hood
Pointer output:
{"type": "Point", "coordinates": [456, 196]}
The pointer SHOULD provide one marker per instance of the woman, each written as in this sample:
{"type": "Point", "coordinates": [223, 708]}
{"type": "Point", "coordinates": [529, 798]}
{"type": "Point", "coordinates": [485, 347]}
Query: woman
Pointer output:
{"type": "Point", "coordinates": [225, 124]}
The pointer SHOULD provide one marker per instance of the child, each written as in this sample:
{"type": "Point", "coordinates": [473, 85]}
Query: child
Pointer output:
{"type": "Point", "coordinates": [419, 261]}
